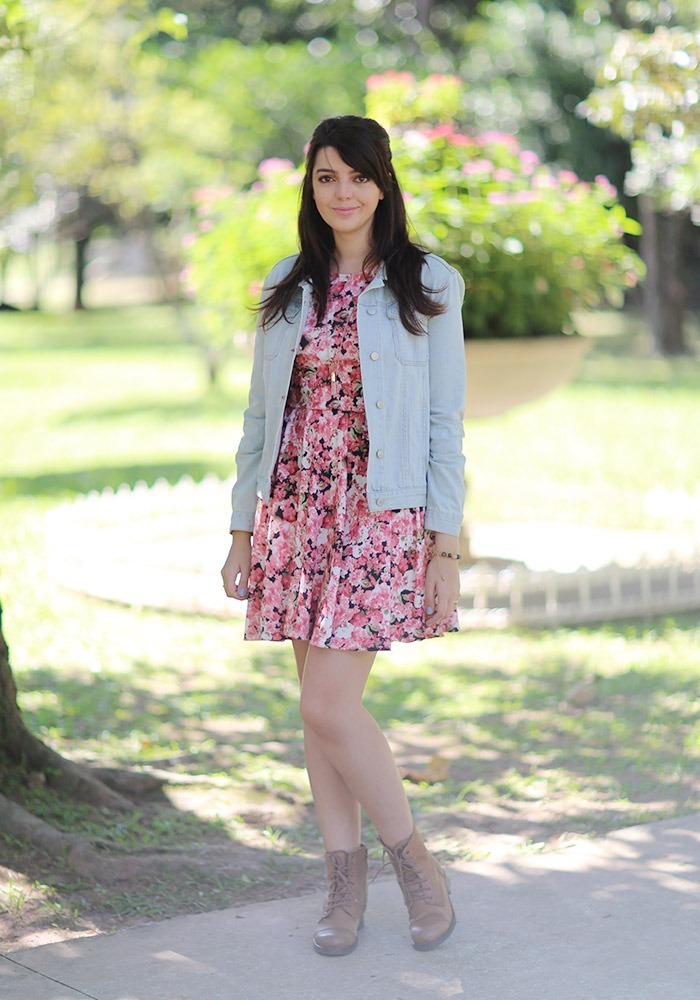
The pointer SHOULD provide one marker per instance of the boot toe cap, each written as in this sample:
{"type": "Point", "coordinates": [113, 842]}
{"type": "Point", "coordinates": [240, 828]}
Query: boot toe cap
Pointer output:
{"type": "Point", "coordinates": [335, 941]}
{"type": "Point", "coordinates": [431, 930]}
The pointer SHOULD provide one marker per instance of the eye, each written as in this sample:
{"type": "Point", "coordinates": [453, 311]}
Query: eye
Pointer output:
{"type": "Point", "coordinates": [362, 179]}
{"type": "Point", "coordinates": [324, 177]}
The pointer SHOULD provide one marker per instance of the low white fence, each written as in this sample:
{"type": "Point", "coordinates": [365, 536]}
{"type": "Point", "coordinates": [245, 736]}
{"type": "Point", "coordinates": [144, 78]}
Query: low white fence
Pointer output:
{"type": "Point", "coordinates": [162, 546]}
{"type": "Point", "coordinates": [517, 595]}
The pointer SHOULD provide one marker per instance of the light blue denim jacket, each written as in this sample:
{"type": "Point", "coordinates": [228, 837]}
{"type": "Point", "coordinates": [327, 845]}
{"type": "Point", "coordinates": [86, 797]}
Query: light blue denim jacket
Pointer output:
{"type": "Point", "coordinates": [413, 387]}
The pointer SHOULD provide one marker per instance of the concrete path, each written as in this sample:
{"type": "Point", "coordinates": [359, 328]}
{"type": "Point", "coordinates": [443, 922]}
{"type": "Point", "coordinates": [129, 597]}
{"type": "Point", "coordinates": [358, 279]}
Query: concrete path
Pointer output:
{"type": "Point", "coordinates": [613, 919]}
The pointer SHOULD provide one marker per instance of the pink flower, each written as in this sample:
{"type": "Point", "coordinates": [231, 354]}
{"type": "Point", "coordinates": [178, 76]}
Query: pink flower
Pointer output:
{"type": "Point", "coordinates": [578, 262]}
{"type": "Point", "coordinates": [437, 79]}
{"type": "Point", "coordinates": [391, 76]}
{"type": "Point", "coordinates": [498, 198]}
{"type": "Point", "coordinates": [528, 161]}
{"type": "Point", "coordinates": [567, 177]}
{"type": "Point", "coordinates": [188, 240]}
{"type": "Point", "coordinates": [440, 132]}
{"type": "Point", "coordinates": [528, 157]}
{"type": "Point", "coordinates": [498, 138]}
{"type": "Point", "coordinates": [477, 167]}
{"type": "Point", "coordinates": [460, 140]}
{"type": "Point", "coordinates": [606, 187]}
{"type": "Point", "coordinates": [274, 165]}
{"type": "Point", "coordinates": [503, 174]}
{"type": "Point", "coordinates": [523, 197]}
{"type": "Point", "coordinates": [212, 194]}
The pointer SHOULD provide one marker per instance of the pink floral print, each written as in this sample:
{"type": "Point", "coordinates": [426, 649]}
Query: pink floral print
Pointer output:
{"type": "Point", "coordinates": [324, 567]}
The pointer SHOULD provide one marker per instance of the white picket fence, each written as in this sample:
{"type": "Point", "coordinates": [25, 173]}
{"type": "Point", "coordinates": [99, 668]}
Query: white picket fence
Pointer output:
{"type": "Point", "coordinates": [162, 546]}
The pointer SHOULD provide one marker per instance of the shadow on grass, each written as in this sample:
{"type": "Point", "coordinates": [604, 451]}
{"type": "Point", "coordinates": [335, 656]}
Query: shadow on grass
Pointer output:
{"type": "Point", "coordinates": [56, 484]}
{"type": "Point", "coordinates": [132, 721]}
{"type": "Point", "coordinates": [189, 720]}
{"type": "Point", "coordinates": [634, 741]}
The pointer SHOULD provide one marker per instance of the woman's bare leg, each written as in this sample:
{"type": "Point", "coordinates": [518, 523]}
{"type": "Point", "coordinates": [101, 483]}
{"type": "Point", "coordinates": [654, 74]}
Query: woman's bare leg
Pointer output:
{"type": "Point", "coordinates": [348, 756]}
{"type": "Point", "coordinates": [337, 809]}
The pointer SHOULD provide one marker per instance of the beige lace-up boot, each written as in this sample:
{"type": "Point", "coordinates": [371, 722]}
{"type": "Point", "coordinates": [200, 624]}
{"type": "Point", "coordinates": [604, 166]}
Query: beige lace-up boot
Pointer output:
{"type": "Point", "coordinates": [343, 915]}
{"type": "Point", "coordinates": [425, 891]}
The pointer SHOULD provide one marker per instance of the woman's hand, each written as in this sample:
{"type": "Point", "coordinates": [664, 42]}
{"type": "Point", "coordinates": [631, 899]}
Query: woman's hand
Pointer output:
{"type": "Point", "coordinates": [236, 569]}
{"type": "Point", "coordinates": [441, 589]}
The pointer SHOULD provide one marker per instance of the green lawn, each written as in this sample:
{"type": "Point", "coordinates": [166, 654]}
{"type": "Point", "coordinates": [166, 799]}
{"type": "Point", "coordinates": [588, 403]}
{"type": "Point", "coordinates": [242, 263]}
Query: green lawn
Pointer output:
{"type": "Point", "coordinates": [114, 396]}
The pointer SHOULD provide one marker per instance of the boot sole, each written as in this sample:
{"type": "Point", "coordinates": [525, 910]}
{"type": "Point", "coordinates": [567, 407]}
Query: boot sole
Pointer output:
{"type": "Point", "coordinates": [334, 952]}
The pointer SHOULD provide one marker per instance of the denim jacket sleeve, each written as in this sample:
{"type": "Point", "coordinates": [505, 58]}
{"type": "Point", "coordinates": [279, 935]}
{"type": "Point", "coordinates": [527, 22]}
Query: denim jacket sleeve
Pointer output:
{"type": "Point", "coordinates": [248, 457]}
{"type": "Point", "coordinates": [446, 489]}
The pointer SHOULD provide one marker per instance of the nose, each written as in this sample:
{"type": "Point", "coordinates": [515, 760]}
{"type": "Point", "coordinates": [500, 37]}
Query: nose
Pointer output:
{"type": "Point", "coordinates": [344, 189]}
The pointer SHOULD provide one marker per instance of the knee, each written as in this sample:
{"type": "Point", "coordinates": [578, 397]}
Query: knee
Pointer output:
{"type": "Point", "coordinates": [318, 713]}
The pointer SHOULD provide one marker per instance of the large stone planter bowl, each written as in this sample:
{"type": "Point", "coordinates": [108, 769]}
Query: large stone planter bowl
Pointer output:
{"type": "Point", "coordinates": [502, 374]}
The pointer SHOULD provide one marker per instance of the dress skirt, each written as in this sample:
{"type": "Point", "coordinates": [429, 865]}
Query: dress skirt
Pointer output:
{"type": "Point", "coordinates": [324, 568]}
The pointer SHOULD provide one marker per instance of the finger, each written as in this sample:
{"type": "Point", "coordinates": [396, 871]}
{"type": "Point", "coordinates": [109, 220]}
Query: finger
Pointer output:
{"type": "Point", "coordinates": [235, 584]}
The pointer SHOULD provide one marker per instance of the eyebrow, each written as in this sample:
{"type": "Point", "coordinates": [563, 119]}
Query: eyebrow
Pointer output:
{"type": "Point", "coordinates": [330, 170]}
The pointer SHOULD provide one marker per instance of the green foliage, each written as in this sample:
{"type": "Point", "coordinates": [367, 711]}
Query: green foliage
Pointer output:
{"type": "Point", "coordinates": [241, 234]}
{"type": "Point", "coordinates": [272, 96]}
{"type": "Point", "coordinates": [649, 93]}
{"type": "Point", "coordinates": [15, 24]}
{"type": "Point", "coordinates": [90, 108]}
{"type": "Point", "coordinates": [533, 243]}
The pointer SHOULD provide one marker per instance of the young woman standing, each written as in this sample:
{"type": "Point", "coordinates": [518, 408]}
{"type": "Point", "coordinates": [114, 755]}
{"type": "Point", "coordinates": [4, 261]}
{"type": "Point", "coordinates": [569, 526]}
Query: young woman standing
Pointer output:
{"type": "Point", "coordinates": [349, 494]}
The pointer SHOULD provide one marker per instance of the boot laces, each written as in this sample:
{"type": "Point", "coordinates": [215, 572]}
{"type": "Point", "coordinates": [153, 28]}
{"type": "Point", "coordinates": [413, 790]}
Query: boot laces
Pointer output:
{"type": "Point", "coordinates": [412, 877]}
{"type": "Point", "coordinates": [340, 895]}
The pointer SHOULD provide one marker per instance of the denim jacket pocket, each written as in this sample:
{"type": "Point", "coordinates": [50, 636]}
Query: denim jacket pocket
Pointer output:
{"type": "Point", "coordinates": [276, 334]}
{"type": "Point", "coordinates": [409, 348]}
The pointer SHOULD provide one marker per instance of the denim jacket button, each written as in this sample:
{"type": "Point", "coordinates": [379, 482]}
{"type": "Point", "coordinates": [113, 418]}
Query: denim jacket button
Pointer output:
{"type": "Point", "coordinates": [371, 311]}
{"type": "Point", "coordinates": [380, 404]}
{"type": "Point", "coordinates": [374, 355]}
{"type": "Point", "coordinates": [380, 453]}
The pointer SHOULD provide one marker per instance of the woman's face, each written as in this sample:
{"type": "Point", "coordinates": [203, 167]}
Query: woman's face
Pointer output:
{"type": "Point", "coordinates": [346, 199]}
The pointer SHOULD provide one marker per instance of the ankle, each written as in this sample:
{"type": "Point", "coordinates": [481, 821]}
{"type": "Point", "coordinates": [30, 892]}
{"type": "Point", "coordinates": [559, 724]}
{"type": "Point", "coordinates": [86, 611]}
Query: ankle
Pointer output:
{"type": "Point", "coordinates": [393, 840]}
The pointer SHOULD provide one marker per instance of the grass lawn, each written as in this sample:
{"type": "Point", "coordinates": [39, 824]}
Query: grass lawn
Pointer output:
{"type": "Point", "coordinates": [114, 396]}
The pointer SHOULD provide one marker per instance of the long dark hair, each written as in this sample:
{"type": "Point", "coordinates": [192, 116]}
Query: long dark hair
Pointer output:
{"type": "Point", "coordinates": [363, 144]}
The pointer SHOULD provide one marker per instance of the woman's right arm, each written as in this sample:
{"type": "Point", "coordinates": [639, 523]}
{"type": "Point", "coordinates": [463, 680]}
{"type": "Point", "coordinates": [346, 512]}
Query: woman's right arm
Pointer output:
{"type": "Point", "coordinates": [244, 495]}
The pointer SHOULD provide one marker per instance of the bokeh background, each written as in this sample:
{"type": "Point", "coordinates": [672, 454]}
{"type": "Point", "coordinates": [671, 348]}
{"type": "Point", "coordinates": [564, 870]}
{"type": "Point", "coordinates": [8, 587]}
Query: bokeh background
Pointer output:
{"type": "Point", "coordinates": [149, 167]}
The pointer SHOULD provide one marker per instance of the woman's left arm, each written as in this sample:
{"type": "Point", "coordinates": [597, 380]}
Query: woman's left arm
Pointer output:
{"type": "Point", "coordinates": [447, 377]}
{"type": "Point", "coordinates": [445, 504]}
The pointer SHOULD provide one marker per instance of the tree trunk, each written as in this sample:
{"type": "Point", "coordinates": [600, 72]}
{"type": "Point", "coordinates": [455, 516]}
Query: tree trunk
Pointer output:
{"type": "Point", "coordinates": [663, 237]}
{"type": "Point", "coordinates": [80, 261]}
{"type": "Point", "coordinates": [25, 760]}
{"type": "Point", "coordinates": [22, 754]}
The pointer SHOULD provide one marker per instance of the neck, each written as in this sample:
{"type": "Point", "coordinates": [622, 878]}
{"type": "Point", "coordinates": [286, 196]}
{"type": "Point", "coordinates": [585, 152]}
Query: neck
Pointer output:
{"type": "Point", "coordinates": [350, 252]}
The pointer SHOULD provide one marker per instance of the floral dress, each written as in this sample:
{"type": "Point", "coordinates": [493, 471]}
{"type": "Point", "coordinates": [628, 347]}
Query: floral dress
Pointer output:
{"type": "Point", "coordinates": [324, 568]}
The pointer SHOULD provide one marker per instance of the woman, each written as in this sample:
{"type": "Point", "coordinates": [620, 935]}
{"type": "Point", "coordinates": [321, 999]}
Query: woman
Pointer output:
{"type": "Point", "coordinates": [350, 486]}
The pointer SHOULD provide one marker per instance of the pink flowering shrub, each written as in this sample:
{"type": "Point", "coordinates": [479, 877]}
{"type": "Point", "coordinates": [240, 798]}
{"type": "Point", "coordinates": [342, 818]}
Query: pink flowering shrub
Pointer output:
{"type": "Point", "coordinates": [533, 243]}
{"type": "Point", "coordinates": [239, 236]}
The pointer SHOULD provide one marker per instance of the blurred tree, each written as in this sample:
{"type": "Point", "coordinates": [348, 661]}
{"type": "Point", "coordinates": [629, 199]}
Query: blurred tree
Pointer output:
{"type": "Point", "coordinates": [88, 117]}
{"type": "Point", "coordinates": [649, 93]}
